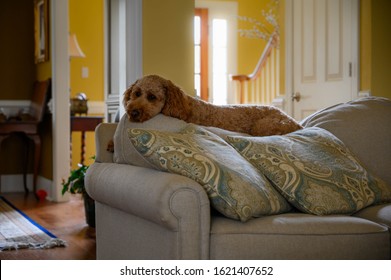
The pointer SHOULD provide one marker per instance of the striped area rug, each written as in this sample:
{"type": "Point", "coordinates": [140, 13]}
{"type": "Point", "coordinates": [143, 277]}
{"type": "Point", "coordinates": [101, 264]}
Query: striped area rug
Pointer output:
{"type": "Point", "coordinates": [18, 231]}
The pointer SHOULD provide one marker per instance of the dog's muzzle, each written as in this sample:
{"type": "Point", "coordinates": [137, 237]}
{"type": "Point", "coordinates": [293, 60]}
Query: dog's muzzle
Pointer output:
{"type": "Point", "coordinates": [135, 115]}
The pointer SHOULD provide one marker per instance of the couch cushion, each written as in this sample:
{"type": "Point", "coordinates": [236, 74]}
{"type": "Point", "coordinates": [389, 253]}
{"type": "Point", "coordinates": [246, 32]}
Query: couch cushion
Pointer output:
{"type": "Point", "coordinates": [125, 153]}
{"type": "Point", "coordinates": [364, 126]}
{"type": "Point", "coordinates": [234, 186]}
{"type": "Point", "coordinates": [299, 236]}
{"type": "Point", "coordinates": [314, 170]}
{"type": "Point", "coordinates": [380, 214]}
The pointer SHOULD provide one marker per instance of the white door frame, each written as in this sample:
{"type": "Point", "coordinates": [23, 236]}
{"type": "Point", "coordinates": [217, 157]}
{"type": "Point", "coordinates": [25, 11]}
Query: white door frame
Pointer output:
{"type": "Point", "coordinates": [289, 85]}
{"type": "Point", "coordinates": [59, 15]}
{"type": "Point", "coordinates": [123, 38]}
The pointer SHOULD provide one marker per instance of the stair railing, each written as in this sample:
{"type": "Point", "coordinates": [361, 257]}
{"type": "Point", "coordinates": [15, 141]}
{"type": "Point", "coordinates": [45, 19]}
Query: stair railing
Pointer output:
{"type": "Point", "coordinates": [262, 85]}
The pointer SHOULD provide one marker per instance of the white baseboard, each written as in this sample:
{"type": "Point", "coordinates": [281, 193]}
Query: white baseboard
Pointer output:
{"type": "Point", "coordinates": [14, 183]}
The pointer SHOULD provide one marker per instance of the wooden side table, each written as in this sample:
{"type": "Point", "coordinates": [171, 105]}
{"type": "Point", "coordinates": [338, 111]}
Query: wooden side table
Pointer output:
{"type": "Point", "coordinates": [84, 124]}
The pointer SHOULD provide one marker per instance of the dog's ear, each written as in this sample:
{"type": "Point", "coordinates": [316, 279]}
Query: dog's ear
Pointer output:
{"type": "Point", "coordinates": [176, 103]}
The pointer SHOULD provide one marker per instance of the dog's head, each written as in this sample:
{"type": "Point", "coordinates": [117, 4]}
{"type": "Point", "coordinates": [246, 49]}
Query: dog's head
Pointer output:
{"type": "Point", "coordinates": [152, 95]}
{"type": "Point", "coordinates": [145, 98]}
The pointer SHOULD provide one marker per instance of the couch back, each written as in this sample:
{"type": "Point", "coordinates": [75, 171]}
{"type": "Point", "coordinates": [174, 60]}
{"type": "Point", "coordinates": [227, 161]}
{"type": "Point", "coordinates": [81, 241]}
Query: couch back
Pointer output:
{"type": "Point", "coordinates": [363, 125]}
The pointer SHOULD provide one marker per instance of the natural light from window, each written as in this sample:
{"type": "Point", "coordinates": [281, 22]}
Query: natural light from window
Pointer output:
{"type": "Point", "coordinates": [219, 43]}
{"type": "Point", "coordinates": [219, 60]}
{"type": "Point", "coordinates": [197, 55]}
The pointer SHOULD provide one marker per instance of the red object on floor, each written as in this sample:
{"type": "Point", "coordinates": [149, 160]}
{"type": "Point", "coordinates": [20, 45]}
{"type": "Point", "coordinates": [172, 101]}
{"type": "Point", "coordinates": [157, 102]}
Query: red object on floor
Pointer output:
{"type": "Point", "coordinates": [41, 194]}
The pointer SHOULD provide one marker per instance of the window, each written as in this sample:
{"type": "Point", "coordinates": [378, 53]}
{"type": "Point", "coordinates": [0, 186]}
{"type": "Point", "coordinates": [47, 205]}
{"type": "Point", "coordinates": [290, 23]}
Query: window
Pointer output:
{"type": "Point", "coordinates": [220, 75]}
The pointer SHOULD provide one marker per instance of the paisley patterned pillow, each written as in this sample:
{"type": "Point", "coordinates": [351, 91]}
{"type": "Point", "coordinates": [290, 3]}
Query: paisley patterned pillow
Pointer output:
{"type": "Point", "coordinates": [234, 187]}
{"type": "Point", "coordinates": [314, 170]}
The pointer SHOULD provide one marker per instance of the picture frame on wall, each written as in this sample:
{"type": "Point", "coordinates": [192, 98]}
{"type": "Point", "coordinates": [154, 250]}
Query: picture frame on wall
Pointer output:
{"type": "Point", "coordinates": [41, 31]}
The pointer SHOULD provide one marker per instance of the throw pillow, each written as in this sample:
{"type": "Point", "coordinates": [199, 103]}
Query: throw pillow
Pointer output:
{"type": "Point", "coordinates": [314, 170]}
{"type": "Point", "coordinates": [125, 153]}
{"type": "Point", "coordinates": [364, 126]}
{"type": "Point", "coordinates": [235, 187]}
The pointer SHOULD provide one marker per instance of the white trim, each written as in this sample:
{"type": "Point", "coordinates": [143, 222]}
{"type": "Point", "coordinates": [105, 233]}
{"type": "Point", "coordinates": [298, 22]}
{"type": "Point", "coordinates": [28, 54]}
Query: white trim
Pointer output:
{"type": "Point", "coordinates": [116, 55]}
{"type": "Point", "coordinates": [59, 15]}
{"type": "Point", "coordinates": [14, 183]}
{"type": "Point", "coordinates": [15, 103]}
{"type": "Point", "coordinates": [279, 102]}
{"type": "Point", "coordinates": [106, 18]}
{"type": "Point", "coordinates": [289, 56]}
{"type": "Point", "coordinates": [134, 44]}
{"type": "Point", "coordinates": [123, 26]}
{"type": "Point", "coordinates": [356, 49]}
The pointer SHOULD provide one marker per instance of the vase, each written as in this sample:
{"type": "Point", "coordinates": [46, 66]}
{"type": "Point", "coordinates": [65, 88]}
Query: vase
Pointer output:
{"type": "Point", "coordinates": [89, 207]}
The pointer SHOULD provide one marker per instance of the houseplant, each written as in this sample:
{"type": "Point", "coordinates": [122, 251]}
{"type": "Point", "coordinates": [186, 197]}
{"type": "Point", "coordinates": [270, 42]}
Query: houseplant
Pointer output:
{"type": "Point", "coordinates": [75, 185]}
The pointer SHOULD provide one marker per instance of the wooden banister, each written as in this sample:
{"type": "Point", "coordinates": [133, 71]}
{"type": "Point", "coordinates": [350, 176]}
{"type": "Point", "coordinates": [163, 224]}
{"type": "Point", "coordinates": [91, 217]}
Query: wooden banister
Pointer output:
{"type": "Point", "coordinates": [242, 79]}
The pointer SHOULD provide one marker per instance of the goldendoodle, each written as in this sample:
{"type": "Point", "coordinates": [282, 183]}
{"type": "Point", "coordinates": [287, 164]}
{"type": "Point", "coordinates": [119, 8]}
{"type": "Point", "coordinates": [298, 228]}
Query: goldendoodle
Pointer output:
{"type": "Point", "coordinates": [153, 94]}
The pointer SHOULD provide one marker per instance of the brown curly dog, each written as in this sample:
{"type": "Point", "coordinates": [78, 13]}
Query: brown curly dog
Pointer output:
{"type": "Point", "coordinates": [153, 94]}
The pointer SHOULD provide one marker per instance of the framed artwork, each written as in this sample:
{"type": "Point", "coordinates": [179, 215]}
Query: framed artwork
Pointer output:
{"type": "Point", "coordinates": [41, 30]}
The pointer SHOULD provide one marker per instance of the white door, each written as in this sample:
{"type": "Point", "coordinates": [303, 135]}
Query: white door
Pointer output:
{"type": "Point", "coordinates": [325, 54]}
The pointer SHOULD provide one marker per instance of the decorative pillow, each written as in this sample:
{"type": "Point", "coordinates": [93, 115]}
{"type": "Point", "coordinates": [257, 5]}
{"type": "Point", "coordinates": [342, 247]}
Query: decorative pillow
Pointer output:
{"type": "Point", "coordinates": [234, 186]}
{"type": "Point", "coordinates": [364, 126]}
{"type": "Point", "coordinates": [314, 170]}
{"type": "Point", "coordinates": [125, 153]}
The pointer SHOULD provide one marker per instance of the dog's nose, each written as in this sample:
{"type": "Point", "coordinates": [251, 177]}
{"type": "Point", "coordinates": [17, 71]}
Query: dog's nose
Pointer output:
{"type": "Point", "coordinates": [135, 113]}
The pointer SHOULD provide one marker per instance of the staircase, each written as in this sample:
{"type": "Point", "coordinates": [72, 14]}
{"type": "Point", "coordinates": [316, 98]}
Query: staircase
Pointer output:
{"type": "Point", "coordinates": [262, 85]}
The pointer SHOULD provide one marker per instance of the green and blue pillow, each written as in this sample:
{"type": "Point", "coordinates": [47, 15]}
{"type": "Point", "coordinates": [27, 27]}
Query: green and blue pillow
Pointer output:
{"type": "Point", "coordinates": [314, 171]}
{"type": "Point", "coordinates": [235, 188]}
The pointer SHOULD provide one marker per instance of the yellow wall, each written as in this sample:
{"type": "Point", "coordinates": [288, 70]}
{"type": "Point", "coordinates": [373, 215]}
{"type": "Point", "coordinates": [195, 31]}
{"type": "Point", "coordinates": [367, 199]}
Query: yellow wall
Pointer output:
{"type": "Point", "coordinates": [375, 45]}
{"type": "Point", "coordinates": [168, 40]}
{"type": "Point", "coordinates": [167, 50]}
{"type": "Point", "coordinates": [86, 20]}
{"type": "Point", "coordinates": [381, 46]}
{"type": "Point", "coordinates": [249, 50]}
{"type": "Point", "coordinates": [44, 70]}
{"type": "Point", "coordinates": [365, 44]}
{"type": "Point", "coordinates": [17, 67]}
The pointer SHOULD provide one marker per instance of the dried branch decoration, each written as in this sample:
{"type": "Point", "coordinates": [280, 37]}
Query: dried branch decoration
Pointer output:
{"type": "Point", "coordinates": [265, 29]}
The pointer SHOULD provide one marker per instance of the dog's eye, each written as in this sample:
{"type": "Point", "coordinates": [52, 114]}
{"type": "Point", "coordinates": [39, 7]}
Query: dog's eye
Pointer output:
{"type": "Point", "coordinates": [137, 94]}
{"type": "Point", "coordinates": [151, 97]}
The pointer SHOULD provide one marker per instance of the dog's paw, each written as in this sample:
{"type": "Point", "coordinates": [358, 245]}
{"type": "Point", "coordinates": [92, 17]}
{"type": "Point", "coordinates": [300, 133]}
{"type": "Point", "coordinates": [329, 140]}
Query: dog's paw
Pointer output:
{"type": "Point", "coordinates": [110, 146]}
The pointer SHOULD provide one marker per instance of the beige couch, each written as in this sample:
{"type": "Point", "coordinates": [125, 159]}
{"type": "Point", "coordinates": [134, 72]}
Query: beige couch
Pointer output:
{"type": "Point", "coordinates": [144, 213]}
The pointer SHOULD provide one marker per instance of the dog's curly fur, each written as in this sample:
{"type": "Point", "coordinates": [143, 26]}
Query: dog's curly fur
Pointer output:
{"type": "Point", "coordinates": [153, 94]}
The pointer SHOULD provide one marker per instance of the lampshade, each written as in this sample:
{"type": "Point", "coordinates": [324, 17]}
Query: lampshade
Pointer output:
{"type": "Point", "coordinates": [74, 48]}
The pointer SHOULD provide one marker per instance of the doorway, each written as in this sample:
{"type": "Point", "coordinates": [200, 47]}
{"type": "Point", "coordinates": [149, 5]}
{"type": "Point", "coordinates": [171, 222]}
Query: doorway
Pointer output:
{"type": "Point", "coordinates": [215, 50]}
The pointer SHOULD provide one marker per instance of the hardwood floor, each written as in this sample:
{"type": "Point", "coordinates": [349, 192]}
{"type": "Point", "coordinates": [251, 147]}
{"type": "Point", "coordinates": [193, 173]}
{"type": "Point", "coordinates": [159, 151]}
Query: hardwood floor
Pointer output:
{"type": "Point", "coordinates": [66, 220]}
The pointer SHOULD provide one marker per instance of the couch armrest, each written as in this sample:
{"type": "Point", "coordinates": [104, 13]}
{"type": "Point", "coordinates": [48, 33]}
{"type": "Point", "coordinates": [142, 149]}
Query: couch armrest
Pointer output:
{"type": "Point", "coordinates": [173, 201]}
{"type": "Point", "coordinates": [104, 132]}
